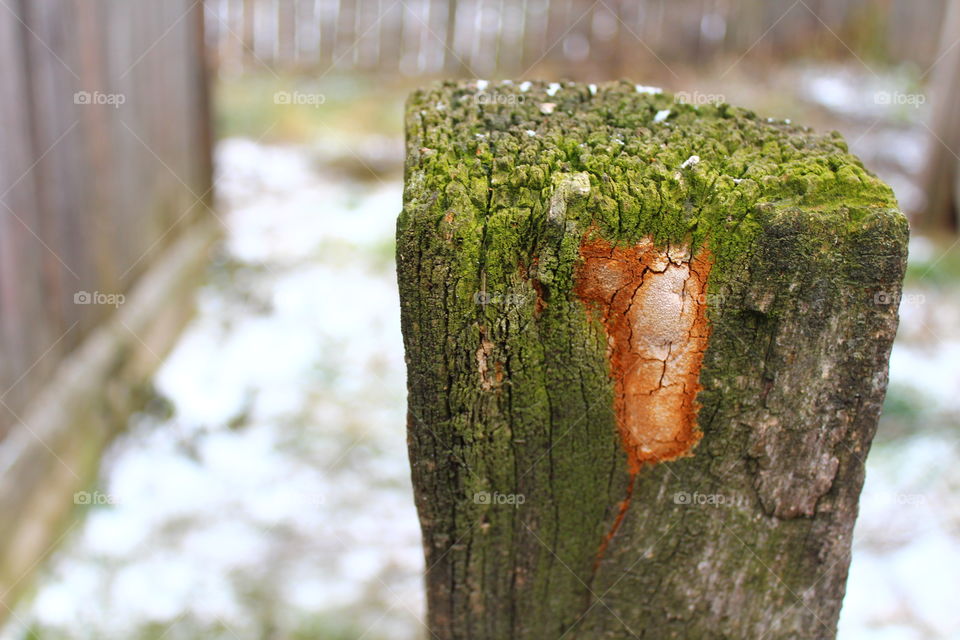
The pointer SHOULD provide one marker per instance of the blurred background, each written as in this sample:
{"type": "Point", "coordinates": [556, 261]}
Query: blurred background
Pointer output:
{"type": "Point", "coordinates": [202, 429]}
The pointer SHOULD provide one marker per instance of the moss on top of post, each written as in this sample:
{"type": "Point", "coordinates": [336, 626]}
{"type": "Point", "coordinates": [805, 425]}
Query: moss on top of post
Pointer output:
{"type": "Point", "coordinates": [656, 166]}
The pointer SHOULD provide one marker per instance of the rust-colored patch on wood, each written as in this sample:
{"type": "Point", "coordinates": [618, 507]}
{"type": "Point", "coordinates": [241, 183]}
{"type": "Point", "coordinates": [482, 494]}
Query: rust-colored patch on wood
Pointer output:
{"type": "Point", "coordinates": [540, 303]}
{"type": "Point", "coordinates": [652, 303]}
{"type": "Point", "coordinates": [622, 507]}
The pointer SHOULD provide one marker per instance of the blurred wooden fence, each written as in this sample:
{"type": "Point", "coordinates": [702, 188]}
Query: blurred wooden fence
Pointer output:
{"type": "Point", "coordinates": [608, 37]}
{"type": "Point", "coordinates": [105, 152]}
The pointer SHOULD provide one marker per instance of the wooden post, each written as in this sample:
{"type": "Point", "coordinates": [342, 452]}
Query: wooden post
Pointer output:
{"type": "Point", "coordinates": [647, 348]}
{"type": "Point", "coordinates": [940, 180]}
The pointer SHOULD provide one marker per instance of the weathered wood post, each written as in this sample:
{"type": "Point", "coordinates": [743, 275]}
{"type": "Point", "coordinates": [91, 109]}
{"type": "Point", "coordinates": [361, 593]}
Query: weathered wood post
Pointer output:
{"type": "Point", "coordinates": [940, 177]}
{"type": "Point", "coordinates": [647, 348]}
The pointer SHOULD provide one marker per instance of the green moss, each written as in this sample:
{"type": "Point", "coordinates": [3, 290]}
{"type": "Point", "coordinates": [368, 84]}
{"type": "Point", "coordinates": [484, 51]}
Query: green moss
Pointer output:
{"type": "Point", "coordinates": [498, 195]}
{"type": "Point", "coordinates": [511, 153]}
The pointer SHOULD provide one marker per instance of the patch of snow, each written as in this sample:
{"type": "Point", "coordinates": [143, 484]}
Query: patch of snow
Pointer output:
{"type": "Point", "coordinates": [294, 497]}
{"type": "Point", "coordinates": [921, 249]}
{"type": "Point", "coordinates": [930, 372]}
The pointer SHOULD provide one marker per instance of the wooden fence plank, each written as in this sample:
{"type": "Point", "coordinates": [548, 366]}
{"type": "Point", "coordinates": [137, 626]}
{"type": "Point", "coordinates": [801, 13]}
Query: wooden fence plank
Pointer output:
{"type": "Point", "coordinates": [107, 145]}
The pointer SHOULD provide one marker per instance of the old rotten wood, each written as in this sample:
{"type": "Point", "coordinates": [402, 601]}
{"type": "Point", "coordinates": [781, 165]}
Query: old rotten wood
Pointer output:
{"type": "Point", "coordinates": [647, 349]}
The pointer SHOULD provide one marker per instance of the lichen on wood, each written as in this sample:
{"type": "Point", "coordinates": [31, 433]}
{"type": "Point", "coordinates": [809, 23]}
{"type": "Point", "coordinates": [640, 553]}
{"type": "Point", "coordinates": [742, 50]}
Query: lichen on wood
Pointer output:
{"type": "Point", "coordinates": [552, 260]}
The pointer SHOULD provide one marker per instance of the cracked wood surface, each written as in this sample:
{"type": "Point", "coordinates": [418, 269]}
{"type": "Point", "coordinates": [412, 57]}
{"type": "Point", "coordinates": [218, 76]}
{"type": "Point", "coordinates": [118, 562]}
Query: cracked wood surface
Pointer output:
{"type": "Point", "coordinates": [653, 305]}
{"type": "Point", "coordinates": [678, 366]}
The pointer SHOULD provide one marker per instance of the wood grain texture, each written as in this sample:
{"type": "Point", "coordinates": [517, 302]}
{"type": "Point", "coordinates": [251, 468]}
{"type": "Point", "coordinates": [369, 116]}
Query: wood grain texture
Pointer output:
{"type": "Point", "coordinates": [535, 522]}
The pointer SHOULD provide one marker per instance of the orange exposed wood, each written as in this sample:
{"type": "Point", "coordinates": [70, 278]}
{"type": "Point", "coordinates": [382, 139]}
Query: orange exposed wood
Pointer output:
{"type": "Point", "coordinates": [652, 303]}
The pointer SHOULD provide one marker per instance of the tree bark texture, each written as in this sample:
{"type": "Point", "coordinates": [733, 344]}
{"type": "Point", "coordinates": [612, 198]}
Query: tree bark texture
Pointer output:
{"type": "Point", "coordinates": [647, 349]}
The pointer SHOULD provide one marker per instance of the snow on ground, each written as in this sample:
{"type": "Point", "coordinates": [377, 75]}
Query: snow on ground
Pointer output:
{"type": "Point", "coordinates": [857, 95]}
{"type": "Point", "coordinates": [906, 551]}
{"type": "Point", "coordinates": [274, 500]}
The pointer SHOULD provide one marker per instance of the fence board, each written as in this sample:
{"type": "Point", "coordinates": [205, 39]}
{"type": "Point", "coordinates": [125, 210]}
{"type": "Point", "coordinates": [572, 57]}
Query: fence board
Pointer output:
{"type": "Point", "coordinates": [106, 141]}
{"type": "Point", "coordinates": [506, 37]}
{"type": "Point", "coordinates": [20, 265]}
